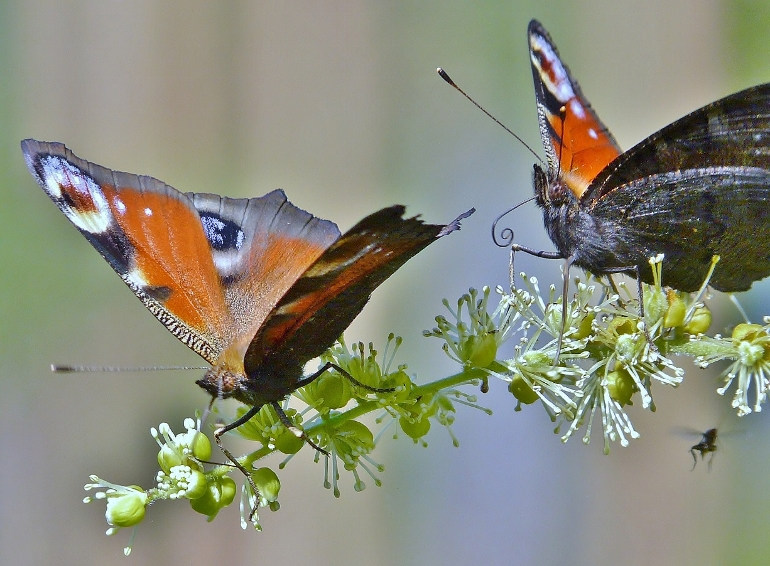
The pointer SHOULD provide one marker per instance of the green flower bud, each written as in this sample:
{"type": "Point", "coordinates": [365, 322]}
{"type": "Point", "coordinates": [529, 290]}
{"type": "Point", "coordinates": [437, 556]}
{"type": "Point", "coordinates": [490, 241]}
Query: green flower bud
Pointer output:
{"type": "Point", "coordinates": [479, 351]}
{"type": "Point", "coordinates": [168, 458]}
{"type": "Point", "coordinates": [522, 391]}
{"type": "Point", "coordinates": [333, 389]}
{"type": "Point", "coordinates": [655, 304]}
{"type": "Point", "coordinates": [676, 310]}
{"type": "Point", "coordinates": [288, 442]}
{"type": "Point", "coordinates": [621, 386]}
{"type": "Point", "coordinates": [358, 433]}
{"type": "Point", "coordinates": [197, 485]}
{"type": "Point", "coordinates": [201, 446]}
{"type": "Point", "coordinates": [585, 327]}
{"type": "Point", "coordinates": [535, 358]}
{"type": "Point", "coordinates": [699, 322]}
{"type": "Point", "coordinates": [414, 429]}
{"type": "Point", "coordinates": [220, 492]}
{"type": "Point", "coordinates": [746, 332]}
{"type": "Point", "coordinates": [267, 483]}
{"type": "Point", "coordinates": [126, 509]}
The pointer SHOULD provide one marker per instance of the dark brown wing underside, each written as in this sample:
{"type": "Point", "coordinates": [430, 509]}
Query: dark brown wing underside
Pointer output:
{"type": "Point", "coordinates": [733, 131]}
{"type": "Point", "coordinates": [697, 188]}
{"type": "Point", "coordinates": [326, 299]}
{"type": "Point", "coordinates": [690, 216]}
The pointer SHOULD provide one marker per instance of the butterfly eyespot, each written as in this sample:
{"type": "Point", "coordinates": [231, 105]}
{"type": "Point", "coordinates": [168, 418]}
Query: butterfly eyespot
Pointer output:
{"type": "Point", "coordinates": [222, 234]}
{"type": "Point", "coordinates": [78, 196]}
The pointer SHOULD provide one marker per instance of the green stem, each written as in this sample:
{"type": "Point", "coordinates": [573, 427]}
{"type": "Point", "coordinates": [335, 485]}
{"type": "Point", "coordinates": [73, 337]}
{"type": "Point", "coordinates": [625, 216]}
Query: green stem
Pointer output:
{"type": "Point", "coordinates": [368, 406]}
{"type": "Point", "coordinates": [365, 407]}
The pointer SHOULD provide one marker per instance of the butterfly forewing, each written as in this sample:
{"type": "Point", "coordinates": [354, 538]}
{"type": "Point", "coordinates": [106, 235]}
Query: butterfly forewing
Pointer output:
{"type": "Point", "coordinates": [210, 268]}
{"type": "Point", "coordinates": [577, 144]}
{"type": "Point", "coordinates": [149, 234]}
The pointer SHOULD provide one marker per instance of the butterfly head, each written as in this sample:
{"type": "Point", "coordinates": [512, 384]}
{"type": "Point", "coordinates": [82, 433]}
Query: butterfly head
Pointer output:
{"type": "Point", "coordinates": [266, 383]}
{"type": "Point", "coordinates": [560, 206]}
{"type": "Point", "coordinates": [551, 190]}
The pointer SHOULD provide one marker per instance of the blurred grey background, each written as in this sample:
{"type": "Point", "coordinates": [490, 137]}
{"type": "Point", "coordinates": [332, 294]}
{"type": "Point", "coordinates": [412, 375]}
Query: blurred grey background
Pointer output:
{"type": "Point", "coordinates": [338, 103]}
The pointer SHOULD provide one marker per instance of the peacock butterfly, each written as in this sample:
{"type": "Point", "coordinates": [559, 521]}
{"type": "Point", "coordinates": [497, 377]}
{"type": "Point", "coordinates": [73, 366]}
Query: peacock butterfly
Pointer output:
{"type": "Point", "coordinates": [698, 188]}
{"type": "Point", "coordinates": [257, 287]}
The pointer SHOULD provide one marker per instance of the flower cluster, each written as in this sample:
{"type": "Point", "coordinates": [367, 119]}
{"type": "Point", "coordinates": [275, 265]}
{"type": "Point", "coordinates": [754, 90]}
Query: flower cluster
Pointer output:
{"type": "Point", "coordinates": [605, 354]}
{"type": "Point", "coordinates": [595, 356]}
{"type": "Point", "coordinates": [360, 382]}
{"type": "Point", "coordinates": [181, 476]}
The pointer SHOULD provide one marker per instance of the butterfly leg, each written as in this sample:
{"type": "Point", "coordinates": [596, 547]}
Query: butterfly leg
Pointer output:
{"type": "Point", "coordinates": [536, 253]}
{"type": "Point", "coordinates": [614, 288]}
{"type": "Point", "coordinates": [218, 438]}
{"type": "Point", "coordinates": [331, 365]}
{"type": "Point", "coordinates": [517, 248]}
{"type": "Point", "coordinates": [546, 255]}
{"type": "Point", "coordinates": [293, 429]}
{"type": "Point", "coordinates": [713, 453]}
{"type": "Point", "coordinates": [641, 309]}
{"type": "Point", "coordinates": [564, 293]}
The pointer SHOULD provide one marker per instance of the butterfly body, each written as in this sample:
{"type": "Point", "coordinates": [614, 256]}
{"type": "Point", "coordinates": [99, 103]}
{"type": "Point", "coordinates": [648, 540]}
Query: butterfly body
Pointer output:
{"type": "Point", "coordinates": [257, 287]}
{"type": "Point", "coordinates": [698, 188]}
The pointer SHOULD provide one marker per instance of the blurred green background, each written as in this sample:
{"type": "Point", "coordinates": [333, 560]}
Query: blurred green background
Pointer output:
{"type": "Point", "coordinates": [338, 103]}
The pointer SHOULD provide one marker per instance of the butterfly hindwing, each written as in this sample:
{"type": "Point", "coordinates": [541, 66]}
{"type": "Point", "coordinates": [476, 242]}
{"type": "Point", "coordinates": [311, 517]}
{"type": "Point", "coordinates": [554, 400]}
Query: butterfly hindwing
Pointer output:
{"type": "Point", "coordinates": [260, 247]}
{"type": "Point", "coordinates": [693, 190]}
{"type": "Point", "coordinates": [334, 289]}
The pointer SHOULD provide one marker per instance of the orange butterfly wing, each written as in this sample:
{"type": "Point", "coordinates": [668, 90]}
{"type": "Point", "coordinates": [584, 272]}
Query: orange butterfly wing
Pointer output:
{"type": "Point", "coordinates": [577, 144]}
{"type": "Point", "coordinates": [209, 268]}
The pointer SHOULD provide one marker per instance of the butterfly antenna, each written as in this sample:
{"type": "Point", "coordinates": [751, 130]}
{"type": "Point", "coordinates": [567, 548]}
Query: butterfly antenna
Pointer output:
{"type": "Point", "coordinates": [109, 369]}
{"type": "Point", "coordinates": [443, 74]}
